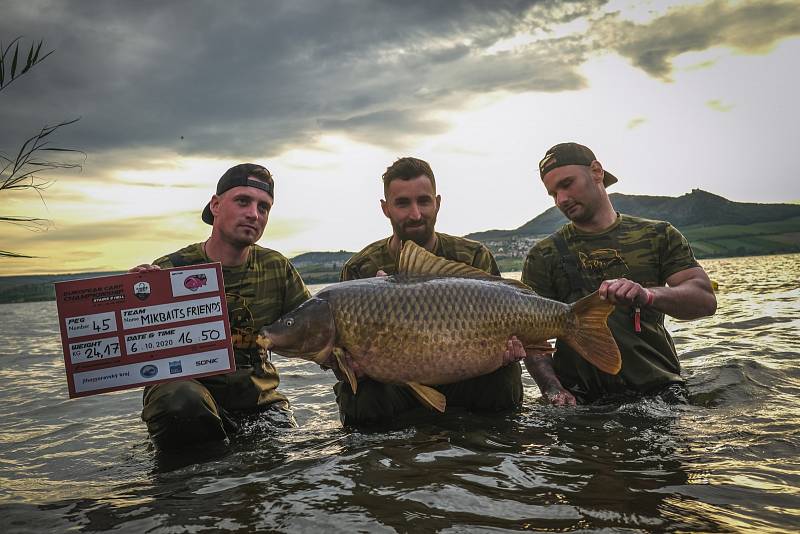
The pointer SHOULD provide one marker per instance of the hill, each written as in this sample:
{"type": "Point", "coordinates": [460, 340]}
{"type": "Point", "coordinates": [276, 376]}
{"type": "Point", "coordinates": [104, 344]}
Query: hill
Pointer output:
{"type": "Point", "coordinates": [321, 267]}
{"type": "Point", "coordinates": [698, 208]}
{"type": "Point", "coordinates": [715, 226]}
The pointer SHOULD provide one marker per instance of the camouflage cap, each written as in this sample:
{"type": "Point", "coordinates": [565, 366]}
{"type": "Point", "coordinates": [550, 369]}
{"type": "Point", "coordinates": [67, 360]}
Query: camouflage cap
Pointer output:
{"type": "Point", "coordinates": [239, 175]}
{"type": "Point", "coordinates": [571, 154]}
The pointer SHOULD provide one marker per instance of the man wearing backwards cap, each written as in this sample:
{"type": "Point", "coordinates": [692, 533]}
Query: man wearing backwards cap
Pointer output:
{"type": "Point", "coordinates": [260, 286]}
{"type": "Point", "coordinates": [645, 267]}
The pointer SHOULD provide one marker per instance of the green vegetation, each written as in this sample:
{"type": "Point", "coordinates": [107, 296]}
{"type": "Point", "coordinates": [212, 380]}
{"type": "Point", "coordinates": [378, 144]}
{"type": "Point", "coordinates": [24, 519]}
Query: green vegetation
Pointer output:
{"type": "Point", "coordinates": [745, 240]}
{"type": "Point", "coordinates": [36, 288]}
{"type": "Point", "coordinates": [321, 267]}
{"type": "Point", "coordinates": [22, 170]}
{"type": "Point", "coordinates": [508, 265]}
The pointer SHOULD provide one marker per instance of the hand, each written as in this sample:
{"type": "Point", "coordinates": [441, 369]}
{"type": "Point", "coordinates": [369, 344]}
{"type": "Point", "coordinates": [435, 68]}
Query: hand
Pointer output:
{"type": "Point", "coordinates": [381, 272]}
{"type": "Point", "coordinates": [143, 268]}
{"type": "Point", "coordinates": [515, 352]}
{"type": "Point", "coordinates": [540, 366]}
{"type": "Point", "coordinates": [624, 292]}
{"type": "Point", "coordinates": [560, 397]}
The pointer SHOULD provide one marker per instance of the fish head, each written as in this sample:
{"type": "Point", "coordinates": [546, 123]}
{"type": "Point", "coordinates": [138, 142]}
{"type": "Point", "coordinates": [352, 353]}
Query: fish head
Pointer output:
{"type": "Point", "coordinates": [306, 332]}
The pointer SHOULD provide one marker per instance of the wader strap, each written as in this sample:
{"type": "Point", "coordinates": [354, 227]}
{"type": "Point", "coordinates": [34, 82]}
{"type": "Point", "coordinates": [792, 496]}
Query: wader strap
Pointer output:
{"type": "Point", "coordinates": [570, 264]}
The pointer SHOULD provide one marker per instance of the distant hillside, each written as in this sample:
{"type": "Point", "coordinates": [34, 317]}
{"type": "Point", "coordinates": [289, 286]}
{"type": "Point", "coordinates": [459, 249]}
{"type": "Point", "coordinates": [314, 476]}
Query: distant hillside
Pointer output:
{"type": "Point", "coordinates": [321, 267]}
{"type": "Point", "coordinates": [37, 287]}
{"type": "Point", "coordinates": [715, 226]}
{"type": "Point", "coordinates": [335, 259]}
{"type": "Point", "coordinates": [698, 208]}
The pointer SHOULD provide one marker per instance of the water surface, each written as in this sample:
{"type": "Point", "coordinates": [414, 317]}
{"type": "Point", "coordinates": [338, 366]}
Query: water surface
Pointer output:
{"type": "Point", "coordinates": [728, 462]}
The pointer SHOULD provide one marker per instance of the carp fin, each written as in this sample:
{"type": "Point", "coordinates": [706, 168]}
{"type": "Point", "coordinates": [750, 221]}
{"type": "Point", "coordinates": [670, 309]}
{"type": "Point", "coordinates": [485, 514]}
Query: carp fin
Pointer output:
{"type": "Point", "coordinates": [542, 346]}
{"type": "Point", "coordinates": [343, 367]}
{"type": "Point", "coordinates": [428, 396]}
{"type": "Point", "coordinates": [416, 261]}
{"type": "Point", "coordinates": [591, 337]}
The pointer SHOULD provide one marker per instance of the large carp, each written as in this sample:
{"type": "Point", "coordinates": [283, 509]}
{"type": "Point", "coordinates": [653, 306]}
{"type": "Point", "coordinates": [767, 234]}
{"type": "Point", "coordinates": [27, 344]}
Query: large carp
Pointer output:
{"type": "Point", "coordinates": [435, 322]}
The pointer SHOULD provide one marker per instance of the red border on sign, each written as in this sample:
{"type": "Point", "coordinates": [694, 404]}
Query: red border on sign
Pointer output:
{"type": "Point", "coordinates": [87, 298]}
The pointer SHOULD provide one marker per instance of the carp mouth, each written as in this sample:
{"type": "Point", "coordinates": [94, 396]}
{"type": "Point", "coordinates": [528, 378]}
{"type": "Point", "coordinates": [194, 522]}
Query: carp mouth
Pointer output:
{"type": "Point", "coordinates": [320, 356]}
{"type": "Point", "coordinates": [263, 340]}
{"type": "Point", "coordinates": [306, 332]}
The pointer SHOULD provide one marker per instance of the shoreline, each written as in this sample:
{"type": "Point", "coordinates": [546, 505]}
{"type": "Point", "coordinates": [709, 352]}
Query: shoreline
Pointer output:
{"type": "Point", "coordinates": [43, 291]}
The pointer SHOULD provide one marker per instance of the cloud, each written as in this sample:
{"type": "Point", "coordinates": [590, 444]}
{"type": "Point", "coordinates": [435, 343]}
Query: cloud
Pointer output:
{"type": "Point", "coordinates": [179, 227]}
{"type": "Point", "coordinates": [636, 122]}
{"type": "Point", "coordinates": [717, 105]}
{"type": "Point", "coordinates": [393, 126]}
{"type": "Point", "coordinates": [749, 27]}
{"type": "Point", "coordinates": [112, 232]}
{"type": "Point", "coordinates": [158, 81]}
{"type": "Point", "coordinates": [241, 80]}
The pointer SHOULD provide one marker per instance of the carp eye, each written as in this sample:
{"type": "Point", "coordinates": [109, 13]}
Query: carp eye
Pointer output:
{"type": "Point", "coordinates": [289, 322]}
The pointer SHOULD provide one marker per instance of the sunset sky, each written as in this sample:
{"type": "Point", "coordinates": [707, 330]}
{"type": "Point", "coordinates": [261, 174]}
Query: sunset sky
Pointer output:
{"type": "Point", "coordinates": [671, 96]}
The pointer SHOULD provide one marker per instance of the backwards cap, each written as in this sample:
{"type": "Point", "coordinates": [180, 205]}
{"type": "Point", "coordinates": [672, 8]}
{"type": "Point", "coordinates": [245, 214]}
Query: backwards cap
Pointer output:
{"type": "Point", "coordinates": [571, 154]}
{"type": "Point", "coordinates": [240, 175]}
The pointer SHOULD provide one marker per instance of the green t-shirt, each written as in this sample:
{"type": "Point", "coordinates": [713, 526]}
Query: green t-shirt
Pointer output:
{"type": "Point", "coordinates": [642, 250]}
{"type": "Point", "coordinates": [258, 293]}
{"type": "Point", "coordinates": [377, 257]}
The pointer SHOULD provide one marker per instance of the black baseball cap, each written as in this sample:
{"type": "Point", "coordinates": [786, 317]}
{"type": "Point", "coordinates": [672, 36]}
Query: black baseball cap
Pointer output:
{"type": "Point", "coordinates": [571, 154]}
{"type": "Point", "coordinates": [240, 175]}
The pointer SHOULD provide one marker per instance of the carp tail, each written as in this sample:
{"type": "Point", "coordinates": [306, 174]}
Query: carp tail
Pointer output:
{"type": "Point", "coordinates": [590, 337]}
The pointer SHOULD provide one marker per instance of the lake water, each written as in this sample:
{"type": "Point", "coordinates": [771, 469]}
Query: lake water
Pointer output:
{"type": "Point", "coordinates": [728, 462]}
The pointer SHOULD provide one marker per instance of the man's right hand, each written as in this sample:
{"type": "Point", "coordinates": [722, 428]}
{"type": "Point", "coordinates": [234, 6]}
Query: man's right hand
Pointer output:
{"type": "Point", "coordinates": [143, 268]}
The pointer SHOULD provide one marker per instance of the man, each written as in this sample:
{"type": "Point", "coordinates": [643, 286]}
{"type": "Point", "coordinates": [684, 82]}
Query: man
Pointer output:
{"type": "Point", "coordinates": [260, 286]}
{"type": "Point", "coordinates": [411, 205]}
{"type": "Point", "coordinates": [646, 268]}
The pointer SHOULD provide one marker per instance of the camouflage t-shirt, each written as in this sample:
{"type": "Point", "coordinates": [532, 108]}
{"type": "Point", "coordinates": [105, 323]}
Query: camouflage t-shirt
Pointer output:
{"type": "Point", "coordinates": [645, 251]}
{"type": "Point", "coordinates": [258, 293]}
{"type": "Point", "coordinates": [377, 256]}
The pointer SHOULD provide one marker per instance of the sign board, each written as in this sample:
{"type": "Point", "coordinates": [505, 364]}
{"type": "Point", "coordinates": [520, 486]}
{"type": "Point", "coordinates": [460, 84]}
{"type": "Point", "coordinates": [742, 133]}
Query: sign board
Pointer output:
{"type": "Point", "coordinates": [135, 329]}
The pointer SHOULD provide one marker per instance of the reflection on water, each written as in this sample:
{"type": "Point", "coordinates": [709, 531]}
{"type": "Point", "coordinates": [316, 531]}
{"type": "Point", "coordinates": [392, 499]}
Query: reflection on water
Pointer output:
{"type": "Point", "coordinates": [728, 462]}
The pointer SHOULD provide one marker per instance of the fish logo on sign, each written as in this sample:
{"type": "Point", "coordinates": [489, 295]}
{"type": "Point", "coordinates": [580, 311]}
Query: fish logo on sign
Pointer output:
{"type": "Point", "coordinates": [195, 282]}
{"type": "Point", "coordinates": [148, 371]}
{"type": "Point", "coordinates": [141, 290]}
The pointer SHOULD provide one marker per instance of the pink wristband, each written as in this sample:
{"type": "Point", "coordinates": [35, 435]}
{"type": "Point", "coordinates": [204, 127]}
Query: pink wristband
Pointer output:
{"type": "Point", "coordinates": [650, 297]}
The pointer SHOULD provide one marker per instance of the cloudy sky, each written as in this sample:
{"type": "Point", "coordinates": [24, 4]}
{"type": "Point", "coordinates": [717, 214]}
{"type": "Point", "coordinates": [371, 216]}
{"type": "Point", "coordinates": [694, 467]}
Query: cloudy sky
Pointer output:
{"type": "Point", "coordinates": [671, 96]}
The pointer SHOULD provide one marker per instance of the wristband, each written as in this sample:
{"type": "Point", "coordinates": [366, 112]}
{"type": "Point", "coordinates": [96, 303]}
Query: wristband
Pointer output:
{"type": "Point", "coordinates": [650, 297]}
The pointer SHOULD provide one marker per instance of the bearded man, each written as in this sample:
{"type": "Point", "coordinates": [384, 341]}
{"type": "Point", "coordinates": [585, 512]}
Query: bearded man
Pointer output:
{"type": "Point", "coordinates": [411, 205]}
